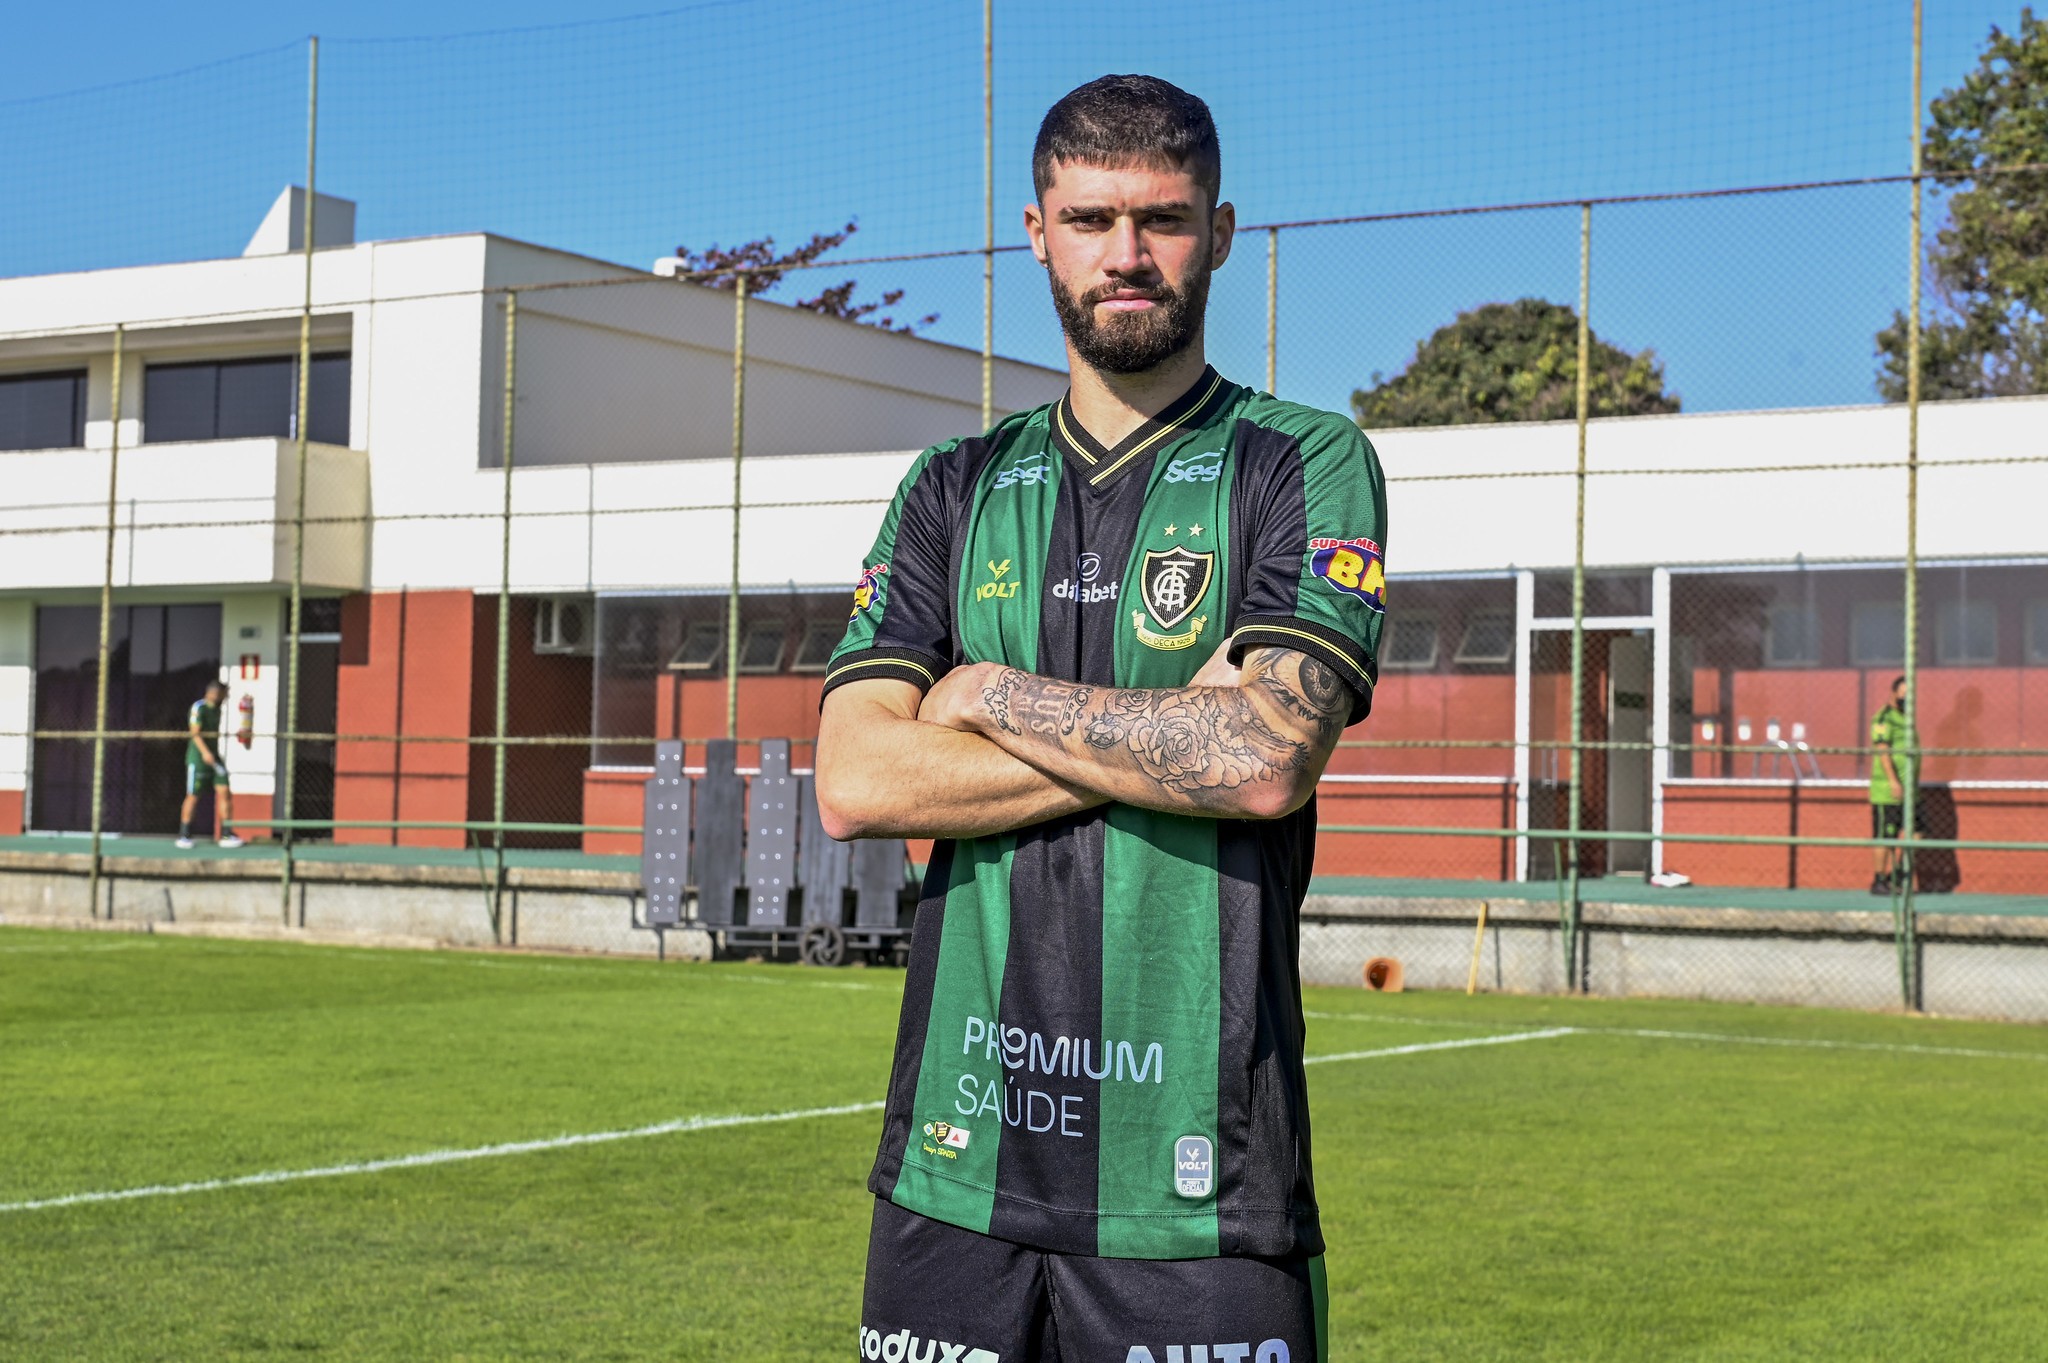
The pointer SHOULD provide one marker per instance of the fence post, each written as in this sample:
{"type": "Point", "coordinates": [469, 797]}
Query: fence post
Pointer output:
{"type": "Point", "coordinates": [1907, 930]}
{"type": "Point", "coordinates": [1573, 976]}
{"type": "Point", "coordinates": [287, 796]}
{"type": "Point", "coordinates": [99, 701]}
{"type": "Point", "coordinates": [1272, 307]}
{"type": "Point", "coordinates": [988, 214]}
{"type": "Point", "coordinates": [504, 628]}
{"type": "Point", "coordinates": [739, 442]}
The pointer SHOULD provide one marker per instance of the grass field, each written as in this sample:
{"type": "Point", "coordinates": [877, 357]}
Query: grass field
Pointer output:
{"type": "Point", "coordinates": [1597, 1194]}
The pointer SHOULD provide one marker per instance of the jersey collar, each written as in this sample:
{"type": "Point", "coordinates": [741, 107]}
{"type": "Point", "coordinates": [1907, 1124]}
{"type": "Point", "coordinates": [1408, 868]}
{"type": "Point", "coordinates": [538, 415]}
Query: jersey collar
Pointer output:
{"type": "Point", "coordinates": [1100, 465]}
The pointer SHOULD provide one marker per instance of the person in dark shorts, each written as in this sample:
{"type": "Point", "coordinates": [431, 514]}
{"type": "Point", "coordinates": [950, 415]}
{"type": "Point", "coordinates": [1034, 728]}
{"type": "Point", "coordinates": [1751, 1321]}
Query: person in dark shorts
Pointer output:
{"type": "Point", "coordinates": [1891, 785]}
{"type": "Point", "coordinates": [205, 770]}
{"type": "Point", "coordinates": [1102, 653]}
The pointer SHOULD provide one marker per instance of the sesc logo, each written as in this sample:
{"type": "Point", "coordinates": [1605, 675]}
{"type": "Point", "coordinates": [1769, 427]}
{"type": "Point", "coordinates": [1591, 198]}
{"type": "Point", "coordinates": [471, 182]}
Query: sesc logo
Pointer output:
{"type": "Point", "coordinates": [904, 1347]}
{"type": "Point", "coordinates": [1196, 468]}
{"type": "Point", "coordinates": [1024, 471]}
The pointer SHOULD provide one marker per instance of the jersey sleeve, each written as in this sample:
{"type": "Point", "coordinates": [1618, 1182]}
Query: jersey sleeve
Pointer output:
{"type": "Point", "coordinates": [1315, 579]}
{"type": "Point", "coordinates": [901, 624]}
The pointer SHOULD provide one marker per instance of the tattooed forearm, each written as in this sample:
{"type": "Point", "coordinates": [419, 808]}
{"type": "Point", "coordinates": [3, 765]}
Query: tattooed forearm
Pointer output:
{"type": "Point", "coordinates": [1194, 746]}
{"type": "Point", "coordinates": [1209, 739]}
{"type": "Point", "coordinates": [1044, 706]}
{"type": "Point", "coordinates": [1302, 686]}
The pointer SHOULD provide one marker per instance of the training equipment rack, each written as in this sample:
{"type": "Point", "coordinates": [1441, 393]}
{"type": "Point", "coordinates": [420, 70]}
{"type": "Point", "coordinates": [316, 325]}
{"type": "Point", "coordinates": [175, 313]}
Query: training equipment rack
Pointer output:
{"type": "Point", "coordinates": [744, 856]}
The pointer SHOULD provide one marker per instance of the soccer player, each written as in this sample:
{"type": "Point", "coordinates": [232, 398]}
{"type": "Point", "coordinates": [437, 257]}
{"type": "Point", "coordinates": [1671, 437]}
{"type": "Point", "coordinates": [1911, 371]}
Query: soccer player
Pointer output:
{"type": "Point", "coordinates": [1102, 653]}
{"type": "Point", "coordinates": [1890, 785]}
{"type": "Point", "coordinates": [205, 770]}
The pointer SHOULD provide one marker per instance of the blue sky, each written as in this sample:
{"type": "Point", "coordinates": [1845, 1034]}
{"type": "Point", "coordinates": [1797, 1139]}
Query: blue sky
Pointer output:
{"type": "Point", "coordinates": [133, 133]}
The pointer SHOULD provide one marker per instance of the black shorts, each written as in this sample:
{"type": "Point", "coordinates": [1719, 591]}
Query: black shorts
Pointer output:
{"type": "Point", "coordinates": [1887, 821]}
{"type": "Point", "coordinates": [939, 1294]}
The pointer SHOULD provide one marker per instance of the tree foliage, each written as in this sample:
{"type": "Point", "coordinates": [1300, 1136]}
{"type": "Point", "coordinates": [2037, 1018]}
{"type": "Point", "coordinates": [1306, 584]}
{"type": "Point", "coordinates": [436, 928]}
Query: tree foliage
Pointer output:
{"type": "Point", "coordinates": [1512, 362]}
{"type": "Point", "coordinates": [765, 267]}
{"type": "Point", "coordinates": [1987, 267]}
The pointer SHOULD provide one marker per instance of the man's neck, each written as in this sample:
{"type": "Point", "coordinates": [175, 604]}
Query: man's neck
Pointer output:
{"type": "Point", "coordinates": [1111, 406]}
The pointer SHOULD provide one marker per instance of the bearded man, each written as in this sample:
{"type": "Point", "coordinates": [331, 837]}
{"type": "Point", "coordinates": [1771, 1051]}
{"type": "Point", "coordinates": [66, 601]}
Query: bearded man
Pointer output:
{"type": "Point", "coordinates": [1102, 653]}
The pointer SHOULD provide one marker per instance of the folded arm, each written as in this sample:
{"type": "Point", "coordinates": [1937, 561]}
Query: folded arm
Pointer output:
{"type": "Point", "coordinates": [1253, 750]}
{"type": "Point", "coordinates": [884, 773]}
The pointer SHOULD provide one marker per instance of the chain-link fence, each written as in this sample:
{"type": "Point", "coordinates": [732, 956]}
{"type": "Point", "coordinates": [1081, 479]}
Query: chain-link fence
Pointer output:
{"type": "Point", "coordinates": [1704, 672]}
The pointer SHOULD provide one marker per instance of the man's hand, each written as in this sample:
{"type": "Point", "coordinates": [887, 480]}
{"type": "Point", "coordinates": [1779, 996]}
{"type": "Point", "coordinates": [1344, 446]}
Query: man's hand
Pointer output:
{"type": "Point", "coordinates": [1250, 750]}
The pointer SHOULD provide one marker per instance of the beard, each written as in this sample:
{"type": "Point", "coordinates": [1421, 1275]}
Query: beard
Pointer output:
{"type": "Point", "coordinates": [1131, 343]}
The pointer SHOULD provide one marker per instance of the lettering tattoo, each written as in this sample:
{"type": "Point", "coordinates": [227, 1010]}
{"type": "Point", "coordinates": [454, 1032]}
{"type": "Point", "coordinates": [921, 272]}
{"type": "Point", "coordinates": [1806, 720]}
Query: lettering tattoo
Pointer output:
{"type": "Point", "coordinates": [1200, 742]}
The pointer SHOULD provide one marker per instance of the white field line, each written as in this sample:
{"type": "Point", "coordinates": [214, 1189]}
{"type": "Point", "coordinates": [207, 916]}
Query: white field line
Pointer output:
{"type": "Point", "coordinates": [677, 1126]}
{"type": "Point", "coordinates": [1820, 1043]}
{"type": "Point", "coordinates": [1459, 1044]}
{"type": "Point", "coordinates": [1728, 1038]}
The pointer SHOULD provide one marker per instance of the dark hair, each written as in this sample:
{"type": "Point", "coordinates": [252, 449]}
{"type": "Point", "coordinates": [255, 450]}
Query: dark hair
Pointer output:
{"type": "Point", "coordinates": [217, 685]}
{"type": "Point", "coordinates": [1898, 682]}
{"type": "Point", "coordinates": [1129, 121]}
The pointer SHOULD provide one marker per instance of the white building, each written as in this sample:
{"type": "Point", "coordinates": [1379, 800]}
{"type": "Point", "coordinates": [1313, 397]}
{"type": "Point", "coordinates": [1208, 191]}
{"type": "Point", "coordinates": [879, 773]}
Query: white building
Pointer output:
{"type": "Point", "coordinates": [1744, 593]}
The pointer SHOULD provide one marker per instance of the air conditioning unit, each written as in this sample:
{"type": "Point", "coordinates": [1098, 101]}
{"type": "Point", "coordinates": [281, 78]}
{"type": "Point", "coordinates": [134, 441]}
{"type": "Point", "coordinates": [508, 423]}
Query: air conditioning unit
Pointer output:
{"type": "Point", "coordinates": [565, 624]}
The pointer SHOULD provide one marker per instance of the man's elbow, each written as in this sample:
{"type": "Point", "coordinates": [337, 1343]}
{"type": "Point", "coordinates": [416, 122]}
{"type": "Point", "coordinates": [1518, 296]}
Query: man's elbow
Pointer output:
{"type": "Point", "coordinates": [841, 811]}
{"type": "Point", "coordinates": [1277, 798]}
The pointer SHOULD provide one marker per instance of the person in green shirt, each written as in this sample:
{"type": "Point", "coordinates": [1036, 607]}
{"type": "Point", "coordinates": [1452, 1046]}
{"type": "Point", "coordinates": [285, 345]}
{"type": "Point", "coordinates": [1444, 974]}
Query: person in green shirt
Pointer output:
{"type": "Point", "coordinates": [1891, 780]}
{"type": "Point", "coordinates": [204, 769]}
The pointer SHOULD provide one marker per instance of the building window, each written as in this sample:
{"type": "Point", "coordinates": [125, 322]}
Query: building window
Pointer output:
{"type": "Point", "coordinates": [42, 411]}
{"type": "Point", "coordinates": [701, 649]}
{"type": "Point", "coordinates": [761, 647]}
{"type": "Point", "coordinates": [1489, 637]}
{"type": "Point", "coordinates": [2037, 633]}
{"type": "Point", "coordinates": [1410, 640]}
{"type": "Point", "coordinates": [234, 399]}
{"type": "Point", "coordinates": [821, 637]}
{"type": "Point", "coordinates": [1792, 636]}
{"type": "Point", "coordinates": [1877, 634]}
{"type": "Point", "coordinates": [1966, 632]}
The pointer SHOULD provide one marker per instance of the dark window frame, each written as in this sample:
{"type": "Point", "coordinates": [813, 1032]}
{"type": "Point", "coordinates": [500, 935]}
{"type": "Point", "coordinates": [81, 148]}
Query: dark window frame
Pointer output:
{"type": "Point", "coordinates": [79, 383]}
{"type": "Point", "coordinates": [327, 418]}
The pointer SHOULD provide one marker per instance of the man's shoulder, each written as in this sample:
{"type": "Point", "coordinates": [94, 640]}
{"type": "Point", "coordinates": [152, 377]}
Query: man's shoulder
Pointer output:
{"type": "Point", "coordinates": [963, 455]}
{"type": "Point", "coordinates": [1313, 428]}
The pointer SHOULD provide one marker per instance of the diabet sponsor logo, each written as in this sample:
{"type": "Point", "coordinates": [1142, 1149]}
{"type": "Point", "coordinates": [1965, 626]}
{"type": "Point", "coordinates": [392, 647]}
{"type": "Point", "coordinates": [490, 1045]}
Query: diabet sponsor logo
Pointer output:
{"type": "Point", "coordinates": [1082, 587]}
{"type": "Point", "coordinates": [905, 1347]}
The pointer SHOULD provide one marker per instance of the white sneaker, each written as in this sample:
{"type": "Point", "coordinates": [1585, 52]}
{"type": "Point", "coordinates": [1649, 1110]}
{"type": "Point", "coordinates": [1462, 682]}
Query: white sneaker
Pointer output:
{"type": "Point", "coordinates": [185, 843]}
{"type": "Point", "coordinates": [230, 841]}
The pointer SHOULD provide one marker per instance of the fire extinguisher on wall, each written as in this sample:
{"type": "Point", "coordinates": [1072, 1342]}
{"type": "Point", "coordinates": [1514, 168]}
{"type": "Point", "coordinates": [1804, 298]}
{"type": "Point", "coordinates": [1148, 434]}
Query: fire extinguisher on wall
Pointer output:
{"type": "Point", "coordinates": [245, 727]}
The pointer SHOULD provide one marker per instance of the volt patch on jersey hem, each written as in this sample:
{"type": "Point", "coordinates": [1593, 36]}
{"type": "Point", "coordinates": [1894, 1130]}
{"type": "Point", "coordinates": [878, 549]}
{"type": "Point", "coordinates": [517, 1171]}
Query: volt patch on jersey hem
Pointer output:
{"type": "Point", "coordinates": [1320, 642]}
{"type": "Point", "coordinates": [920, 669]}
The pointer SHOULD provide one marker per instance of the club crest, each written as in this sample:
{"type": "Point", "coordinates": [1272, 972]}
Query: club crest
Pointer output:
{"type": "Point", "coordinates": [1175, 581]}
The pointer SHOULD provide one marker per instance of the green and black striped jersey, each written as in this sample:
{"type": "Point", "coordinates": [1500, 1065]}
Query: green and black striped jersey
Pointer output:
{"type": "Point", "coordinates": [1101, 1043]}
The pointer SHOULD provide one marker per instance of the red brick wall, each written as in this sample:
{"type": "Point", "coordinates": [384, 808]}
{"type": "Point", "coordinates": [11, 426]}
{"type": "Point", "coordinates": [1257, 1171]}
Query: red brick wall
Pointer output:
{"type": "Point", "coordinates": [406, 668]}
{"type": "Point", "coordinates": [614, 797]}
{"type": "Point", "coordinates": [1842, 812]}
{"type": "Point", "coordinates": [1463, 805]}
